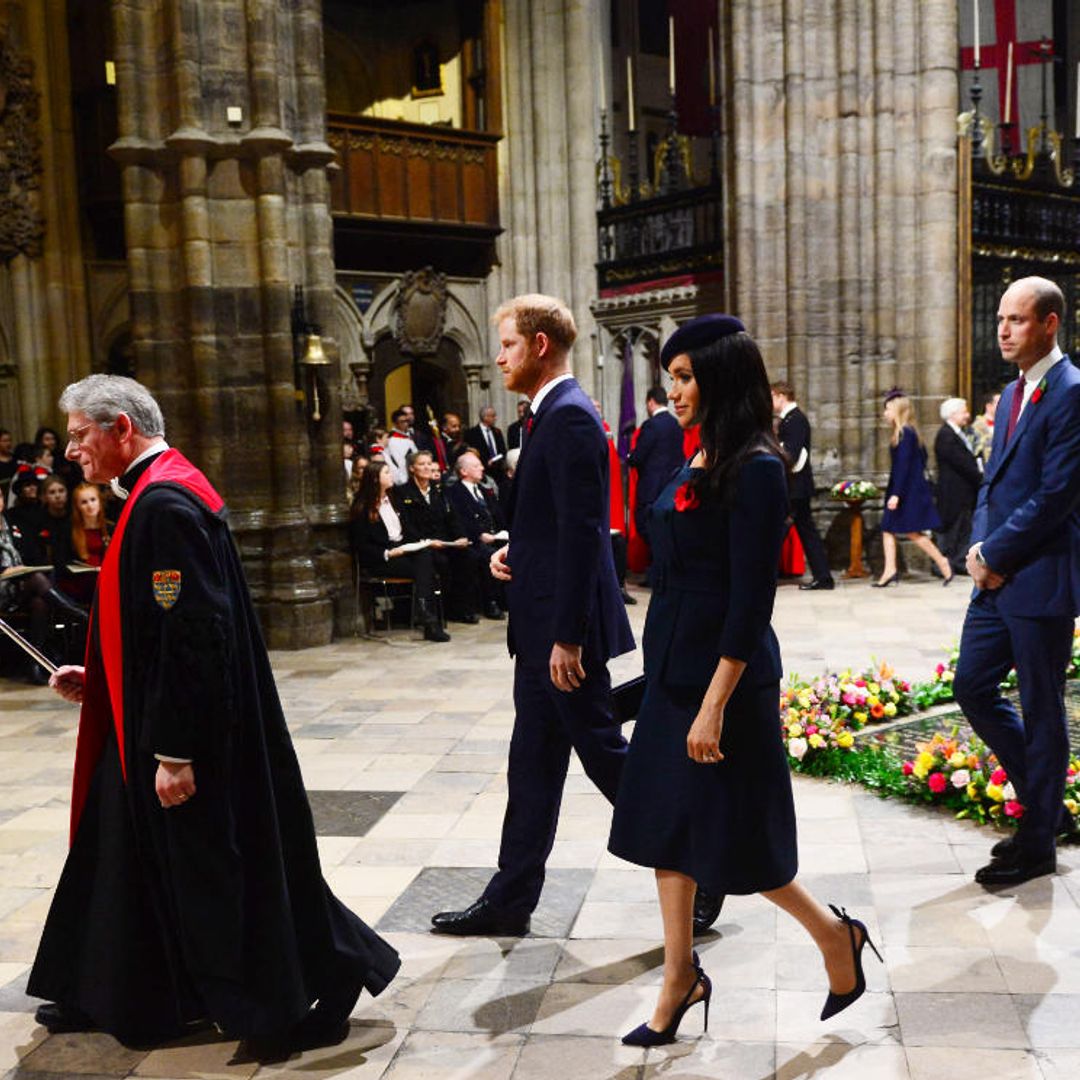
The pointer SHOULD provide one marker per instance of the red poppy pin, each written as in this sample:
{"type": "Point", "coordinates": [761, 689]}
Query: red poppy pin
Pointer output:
{"type": "Point", "coordinates": [686, 498]}
{"type": "Point", "coordinates": [1039, 391]}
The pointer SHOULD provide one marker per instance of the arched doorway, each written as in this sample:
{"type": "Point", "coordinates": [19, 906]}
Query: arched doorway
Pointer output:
{"type": "Point", "coordinates": [436, 382]}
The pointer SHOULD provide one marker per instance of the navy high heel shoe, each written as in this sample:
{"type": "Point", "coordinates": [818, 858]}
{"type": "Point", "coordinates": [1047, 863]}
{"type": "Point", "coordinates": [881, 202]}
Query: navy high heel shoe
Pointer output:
{"type": "Point", "coordinates": [894, 580]}
{"type": "Point", "coordinates": [643, 1035]}
{"type": "Point", "coordinates": [835, 1003]}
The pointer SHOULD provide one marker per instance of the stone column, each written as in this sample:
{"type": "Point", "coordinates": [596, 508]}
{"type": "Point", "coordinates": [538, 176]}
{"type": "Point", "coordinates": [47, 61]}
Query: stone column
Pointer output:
{"type": "Point", "coordinates": [547, 187]}
{"type": "Point", "coordinates": [46, 327]}
{"type": "Point", "coordinates": [842, 206]}
{"type": "Point", "coordinates": [223, 218]}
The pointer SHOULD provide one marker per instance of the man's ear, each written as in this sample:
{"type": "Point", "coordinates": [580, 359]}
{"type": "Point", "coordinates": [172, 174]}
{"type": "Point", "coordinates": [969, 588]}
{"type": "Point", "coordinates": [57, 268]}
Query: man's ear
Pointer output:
{"type": "Point", "coordinates": [123, 427]}
{"type": "Point", "coordinates": [543, 343]}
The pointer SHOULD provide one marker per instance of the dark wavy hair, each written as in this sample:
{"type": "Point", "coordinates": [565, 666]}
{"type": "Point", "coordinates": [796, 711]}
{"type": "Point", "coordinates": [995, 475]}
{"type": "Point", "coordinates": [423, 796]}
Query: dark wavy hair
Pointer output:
{"type": "Point", "coordinates": [734, 411]}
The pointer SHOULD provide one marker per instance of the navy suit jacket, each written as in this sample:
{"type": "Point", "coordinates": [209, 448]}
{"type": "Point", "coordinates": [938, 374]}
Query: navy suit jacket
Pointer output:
{"type": "Point", "coordinates": [564, 586]}
{"type": "Point", "coordinates": [1028, 514]}
{"type": "Point", "coordinates": [656, 455]}
{"type": "Point", "coordinates": [474, 518]}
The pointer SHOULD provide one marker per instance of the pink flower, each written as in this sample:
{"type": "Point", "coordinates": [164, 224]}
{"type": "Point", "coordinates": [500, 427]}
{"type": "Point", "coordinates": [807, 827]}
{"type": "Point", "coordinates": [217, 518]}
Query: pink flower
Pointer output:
{"type": "Point", "coordinates": [860, 682]}
{"type": "Point", "coordinates": [686, 498]}
{"type": "Point", "coordinates": [939, 669]}
{"type": "Point", "coordinates": [812, 729]}
{"type": "Point", "coordinates": [850, 699]}
{"type": "Point", "coordinates": [936, 782]}
{"type": "Point", "coordinates": [999, 777]}
{"type": "Point", "coordinates": [1014, 809]}
{"type": "Point", "coordinates": [907, 768]}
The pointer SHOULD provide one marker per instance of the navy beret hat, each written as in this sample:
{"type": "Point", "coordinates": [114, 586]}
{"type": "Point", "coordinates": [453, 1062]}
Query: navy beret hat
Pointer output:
{"type": "Point", "coordinates": [703, 330]}
{"type": "Point", "coordinates": [895, 392]}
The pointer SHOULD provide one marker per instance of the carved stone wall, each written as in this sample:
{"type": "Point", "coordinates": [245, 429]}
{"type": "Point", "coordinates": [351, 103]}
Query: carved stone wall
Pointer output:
{"type": "Point", "coordinates": [224, 216]}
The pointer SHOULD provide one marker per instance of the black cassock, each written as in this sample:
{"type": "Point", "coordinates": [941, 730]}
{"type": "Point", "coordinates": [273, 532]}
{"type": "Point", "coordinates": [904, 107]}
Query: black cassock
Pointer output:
{"type": "Point", "coordinates": [216, 909]}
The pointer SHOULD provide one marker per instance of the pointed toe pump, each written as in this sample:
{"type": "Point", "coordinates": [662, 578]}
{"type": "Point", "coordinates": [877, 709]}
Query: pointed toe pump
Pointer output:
{"type": "Point", "coordinates": [835, 1003]}
{"type": "Point", "coordinates": [643, 1035]}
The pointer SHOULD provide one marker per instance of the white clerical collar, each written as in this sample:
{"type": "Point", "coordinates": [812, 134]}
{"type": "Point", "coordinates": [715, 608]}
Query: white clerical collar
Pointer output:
{"type": "Point", "coordinates": [116, 487]}
{"type": "Point", "coordinates": [546, 389]}
{"type": "Point", "coordinates": [1037, 372]}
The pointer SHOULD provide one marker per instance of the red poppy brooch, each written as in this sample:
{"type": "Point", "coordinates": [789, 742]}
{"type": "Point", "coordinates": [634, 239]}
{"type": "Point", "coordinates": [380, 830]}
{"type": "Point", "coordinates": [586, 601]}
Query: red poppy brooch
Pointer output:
{"type": "Point", "coordinates": [686, 498]}
{"type": "Point", "coordinates": [1039, 391]}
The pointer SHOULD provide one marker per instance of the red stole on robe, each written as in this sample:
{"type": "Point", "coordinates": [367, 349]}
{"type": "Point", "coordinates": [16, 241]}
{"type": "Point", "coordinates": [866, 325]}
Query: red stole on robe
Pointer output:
{"type": "Point", "coordinates": [103, 688]}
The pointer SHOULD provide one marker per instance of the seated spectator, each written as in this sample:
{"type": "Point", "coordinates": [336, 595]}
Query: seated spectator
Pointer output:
{"type": "Point", "coordinates": [8, 462]}
{"type": "Point", "coordinates": [89, 539]}
{"type": "Point", "coordinates": [357, 466]}
{"type": "Point", "coordinates": [26, 515]}
{"type": "Point", "coordinates": [482, 520]}
{"type": "Point", "coordinates": [376, 537]}
{"type": "Point", "coordinates": [426, 514]}
{"type": "Point", "coordinates": [377, 447]}
{"type": "Point", "coordinates": [56, 525]}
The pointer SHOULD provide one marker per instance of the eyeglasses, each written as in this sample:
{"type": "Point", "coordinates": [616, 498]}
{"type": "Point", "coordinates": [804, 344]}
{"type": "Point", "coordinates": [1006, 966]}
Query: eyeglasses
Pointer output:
{"type": "Point", "coordinates": [76, 437]}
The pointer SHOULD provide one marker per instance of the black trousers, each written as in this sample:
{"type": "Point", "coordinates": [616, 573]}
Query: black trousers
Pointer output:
{"type": "Point", "coordinates": [810, 539]}
{"type": "Point", "coordinates": [418, 565]}
{"type": "Point", "coordinates": [954, 539]}
{"type": "Point", "coordinates": [548, 724]}
{"type": "Point", "coordinates": [459, 572]}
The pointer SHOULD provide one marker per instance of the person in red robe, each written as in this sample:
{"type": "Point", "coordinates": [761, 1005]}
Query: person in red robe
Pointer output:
{"type": "Point", "coordinates": [192, 890]}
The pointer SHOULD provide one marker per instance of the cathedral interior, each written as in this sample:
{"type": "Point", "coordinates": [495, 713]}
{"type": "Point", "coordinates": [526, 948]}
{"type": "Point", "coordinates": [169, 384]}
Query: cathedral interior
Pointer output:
{"type": "Point", "coordinates": [190, 189]}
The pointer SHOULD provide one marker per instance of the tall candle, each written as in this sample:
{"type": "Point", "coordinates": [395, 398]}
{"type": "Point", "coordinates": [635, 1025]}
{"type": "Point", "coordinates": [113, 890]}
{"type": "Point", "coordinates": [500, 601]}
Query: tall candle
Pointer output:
{"type": "Point", "coordinates": [603, 89]}
{"type": "Point", "coordinates": [976, 4]}
{"type": "Point", "coordinates": [630, 93]}
{"type": "Point", "coordinates": [671, 52]}
{"type": "Point", "coordinates": [1078, 101]}
{"type": "Point", "coordinates": [712, 71]}
{"type": "Point", "coordinates": [1008, 84]}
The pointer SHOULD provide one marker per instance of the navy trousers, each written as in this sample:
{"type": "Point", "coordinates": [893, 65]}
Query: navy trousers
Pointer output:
{"type": "Point", "coordinates": [547, 724]}
{"type": "Point", "coordinates": [1034, 749]}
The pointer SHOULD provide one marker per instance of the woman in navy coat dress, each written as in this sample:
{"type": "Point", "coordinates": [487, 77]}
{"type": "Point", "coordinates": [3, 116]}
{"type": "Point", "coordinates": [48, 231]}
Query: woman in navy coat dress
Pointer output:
{"type": "Point", "coordinates": [909, 502]}
{"type": "Point", "coordinates": [705, 796]}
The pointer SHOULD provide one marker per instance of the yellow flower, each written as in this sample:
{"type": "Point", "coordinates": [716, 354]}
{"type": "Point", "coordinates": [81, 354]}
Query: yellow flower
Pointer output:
{"type": "Point", "coordinates": [957, 760]}
{"type": "Point", "coordinates": [993, 791]}
{"type": "Point", "coordinates": [972, 791]}
{"type": "Point", "coordinates": [817, 741]}
{"type": "Point", "coordinates": [873, 688]}
{"type": "Point", "coordinates": [947, 676]}
{"type": "Point", "coordinates": [926, 760]}
{"type": "Point", "coordinates": [890, 709]}
{"type": "Point", "coordinates": [860, 717]}
{"type": "Point", "coordinates": [873, 700]}
{"type": "Point", "coordinates": [1072, 806]}
{"type": "Point", "coordinates": [794, 731]}
{"type": "Point", "coordinates": [845, 739]}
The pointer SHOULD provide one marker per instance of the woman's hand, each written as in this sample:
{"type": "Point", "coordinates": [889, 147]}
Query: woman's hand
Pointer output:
{"type": "Point", "coordinates": [703, 741]}
{"type": "Point", "coordinates": [894, 502]}
{"type": "Point", "coordinates": [394, 552]}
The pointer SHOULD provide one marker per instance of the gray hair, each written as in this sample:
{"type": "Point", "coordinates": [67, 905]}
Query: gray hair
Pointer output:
{"type": "Point", "coordinates": [952, 405]}
{"type": "Point", "coordinates": [412, 455]}
{"type": "Point", "coordinates": [104, 397]}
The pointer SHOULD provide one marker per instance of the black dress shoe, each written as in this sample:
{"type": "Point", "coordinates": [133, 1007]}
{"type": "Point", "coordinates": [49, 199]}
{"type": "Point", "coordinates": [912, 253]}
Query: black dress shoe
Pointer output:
{"type": "Point", "coordinates": [59, 1018]}
{"type": "Point", "coordinates": [707, 907]}
{"type": "Point", "coordinates": [818, 583]}
{"type": "Point", "coordinates": [1067, 833]}
{"type": "Point", "coordinates": [481, 918]}
{"type": "Point", "coordinates": [468, 617]}
{"type": "Point", "coordinates": [1014, 868]}
{"type": "Point", "coordinates": [493, 611]}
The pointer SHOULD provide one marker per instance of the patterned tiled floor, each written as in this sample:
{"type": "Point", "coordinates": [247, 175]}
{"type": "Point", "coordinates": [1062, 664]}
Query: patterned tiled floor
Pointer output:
{"type": "Point", "coordinates": [403, 747]}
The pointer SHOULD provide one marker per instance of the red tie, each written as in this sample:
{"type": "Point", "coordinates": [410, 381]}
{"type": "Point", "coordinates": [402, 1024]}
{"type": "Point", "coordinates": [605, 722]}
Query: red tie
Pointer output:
{"type": "Point", "coordinates": [1014, 412]}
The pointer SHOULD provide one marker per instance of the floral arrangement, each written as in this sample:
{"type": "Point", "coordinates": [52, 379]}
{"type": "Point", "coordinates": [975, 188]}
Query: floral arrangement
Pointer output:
{"type": "Point", "coordinates": [854, 490]}
{"type": "Point", "coordinates": [967, 779]}
{"type": "Point", "coordinates": [823, 715]}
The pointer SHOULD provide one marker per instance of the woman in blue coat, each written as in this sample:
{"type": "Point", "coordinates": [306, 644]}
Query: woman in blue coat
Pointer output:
{"type": "Point", "coordinates": [909, 502]}
{"type": "Point", "coordinates": [705, 796]}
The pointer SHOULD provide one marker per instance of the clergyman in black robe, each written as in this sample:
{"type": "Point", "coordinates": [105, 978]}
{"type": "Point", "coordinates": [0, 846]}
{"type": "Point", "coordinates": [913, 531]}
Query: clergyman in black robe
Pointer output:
{"type": "Point", "coordinates": [192, 889]}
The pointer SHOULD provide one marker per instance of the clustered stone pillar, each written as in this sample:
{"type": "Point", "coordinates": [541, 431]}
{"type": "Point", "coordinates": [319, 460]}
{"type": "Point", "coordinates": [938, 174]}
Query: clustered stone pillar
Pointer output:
{"type": "Point", "coordinates": [842, 205]}
{"type": "Point", "coordinates": [223, 218]}
{"type": "Point", "coordinates": [547, 189]}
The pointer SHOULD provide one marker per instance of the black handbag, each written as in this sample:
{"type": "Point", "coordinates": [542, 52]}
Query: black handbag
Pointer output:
{"type": "Point", "coordinates": [626, 699]}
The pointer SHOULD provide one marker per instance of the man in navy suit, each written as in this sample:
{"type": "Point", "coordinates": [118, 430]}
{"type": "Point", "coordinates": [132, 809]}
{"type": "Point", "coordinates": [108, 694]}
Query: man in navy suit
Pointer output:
{"type": "Point", "coordinates": [566, 614]}
{"type": "Point", "coordinates": [1025, 565]}
{"type": "Point", "coordinates": [656, 455]}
